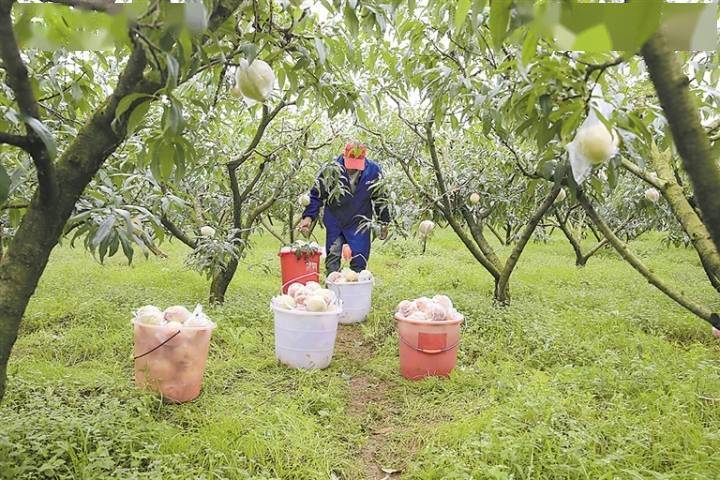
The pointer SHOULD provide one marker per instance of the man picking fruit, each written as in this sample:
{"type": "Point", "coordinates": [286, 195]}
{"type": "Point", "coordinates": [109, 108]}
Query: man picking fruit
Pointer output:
{"type": "Point", "coordinates": [348, 208]}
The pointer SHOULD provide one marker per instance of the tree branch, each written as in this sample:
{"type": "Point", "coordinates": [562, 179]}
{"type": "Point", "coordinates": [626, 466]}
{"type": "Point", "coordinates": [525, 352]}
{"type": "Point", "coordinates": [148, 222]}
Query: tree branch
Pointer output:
{"type": "Point", "coordinates": [688, 133]}
{"type": "Point", "coordinates": [272, 231]}
{"type": "Point", "coordinates": [177, 232]}
{"type": "Point", "coordinates": [10, 206]}
{"type": "Point", "coordinates": [17, 79]}
{"type": "Point", "coordinates": [267, 117]}
{"type": "Point", "coordinates": [642, 174]}
{"type": "Point", "coordinates": [699, 310]}
{"type": "Point", "coordinates": [20, 141]}
{"type": "Point", "coordinates": [525, 236]}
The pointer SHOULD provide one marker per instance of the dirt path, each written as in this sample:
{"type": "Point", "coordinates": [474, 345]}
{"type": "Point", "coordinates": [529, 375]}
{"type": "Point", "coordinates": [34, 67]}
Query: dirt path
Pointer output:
{"type": "Point", "coordinates": [369, 401]}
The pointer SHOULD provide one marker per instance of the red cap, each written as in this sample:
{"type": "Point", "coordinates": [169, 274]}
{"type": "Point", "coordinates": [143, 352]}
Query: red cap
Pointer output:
{"type": "Point", "coordinates": [354, 156]}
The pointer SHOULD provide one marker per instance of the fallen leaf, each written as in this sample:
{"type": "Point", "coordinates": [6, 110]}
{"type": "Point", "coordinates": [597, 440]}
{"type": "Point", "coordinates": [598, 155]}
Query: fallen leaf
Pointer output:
{"type": "Point", "coordinates": [390, 471]}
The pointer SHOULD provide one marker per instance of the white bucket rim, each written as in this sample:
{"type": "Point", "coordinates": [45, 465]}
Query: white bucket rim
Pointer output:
{"type": "Point", "coordinates": [211, 326]}
{"type": "Point", "coordinates": [364, 282]}
{"type": "Point", "coordinates": [306, 313]}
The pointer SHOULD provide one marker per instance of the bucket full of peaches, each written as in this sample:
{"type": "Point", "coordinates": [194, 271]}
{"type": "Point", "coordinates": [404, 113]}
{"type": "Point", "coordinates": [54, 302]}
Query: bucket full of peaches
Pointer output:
{"type": "Point", "coordinates": [171, 349]}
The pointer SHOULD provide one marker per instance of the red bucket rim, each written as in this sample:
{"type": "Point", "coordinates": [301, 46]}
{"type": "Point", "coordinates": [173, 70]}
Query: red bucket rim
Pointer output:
{"type": "Point", "coordinates": [398, 318]}
{"type": "Point", "coordinates": [280, 254]}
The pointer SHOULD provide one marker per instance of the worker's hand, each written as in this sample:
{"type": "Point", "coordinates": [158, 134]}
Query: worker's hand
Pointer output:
{"type": "Point", "coordinates": [383, 233]}
{"type": "Point", "coordinates": [304, 226]}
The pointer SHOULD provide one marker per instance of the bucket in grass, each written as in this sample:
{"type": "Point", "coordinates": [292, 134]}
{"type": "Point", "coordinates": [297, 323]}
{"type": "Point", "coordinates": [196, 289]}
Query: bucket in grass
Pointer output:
{"type": "Point", "coordinates": [355, 291]}
{"type": "Point", "coordinates": [300, 263]}
{"type": "Point", "coordinates": [171, 350]}
{"type": "Point", "coordinates": [429, 337]}
{"type": "Point", "coordinates": [306, 321]}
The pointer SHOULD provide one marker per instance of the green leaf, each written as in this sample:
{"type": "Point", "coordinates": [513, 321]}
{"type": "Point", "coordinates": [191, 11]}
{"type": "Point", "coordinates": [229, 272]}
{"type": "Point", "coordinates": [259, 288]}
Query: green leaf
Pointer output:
{"type": "Point", "coordinates": [4, 185]}
{"type": "Point", "coordinates": [179, 161]}
{"type": "Point", "coordinates": [461, 12]}
{"type": "Point", "coordinates": [320, 47]}
{"type": "Point", "coordinates": [137, 116]}
{"type": "Point", "coordinates": [126, 247]}
{"type": "Point", "coordinates": [186, 45]}
{"type": "Point", "coordinates": [126, 101]}
{"type": "Point", "coordinates": [499, 18]}
{"type": "Point", "coordinates": [173, 71]}
{"type": "Point", "coordinates": [545, 104]}
{"type": "Point", "coordinates": [167, 159]}
{"type": "Point", "coordinates": [128, 221]}
{"type": "Point", "coordinates": [114, 244]}
{"type": "Point", "coordinates": [42, 131]}
{"type": "Point", "coordinates": [351, 20]}
{"type": "Point", "coordinates": [172, 121]}
{"type": "Point", "coordinates": [103, 231]}
{"type": "Point", "coordinates": [529, 49]}
{"type": "Point", "coordinates": [595, 39]}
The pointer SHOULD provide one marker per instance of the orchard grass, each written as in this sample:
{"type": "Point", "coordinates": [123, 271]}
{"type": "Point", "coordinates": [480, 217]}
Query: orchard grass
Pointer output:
{"type": "Point", "coordinates": [590, 373]}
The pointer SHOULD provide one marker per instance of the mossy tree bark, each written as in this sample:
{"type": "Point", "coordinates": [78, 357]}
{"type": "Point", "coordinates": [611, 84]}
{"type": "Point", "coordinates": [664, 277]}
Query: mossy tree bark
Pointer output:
{"type": "Point", "coordinates": [60, 182]}
{"type": "Point", "coordinates": [687, 216]}
{"type": "Point", "coordinates": [701, 311]}
{"type": "Point", "coordinates": [666, 181]}
{"type": "Point", "coordinates": [690, 138]}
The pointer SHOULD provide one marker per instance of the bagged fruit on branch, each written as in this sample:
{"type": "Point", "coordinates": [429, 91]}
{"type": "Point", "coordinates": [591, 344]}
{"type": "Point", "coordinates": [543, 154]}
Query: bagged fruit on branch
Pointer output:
{"type": "Point", "coordinates": [255, 80]}
{"type": "Point", "coordinates": [593, 144]}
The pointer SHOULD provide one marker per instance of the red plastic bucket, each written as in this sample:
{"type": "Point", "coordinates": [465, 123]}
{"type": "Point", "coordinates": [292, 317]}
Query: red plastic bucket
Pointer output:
{"type": "Point", "coordinates": [301, 270]}
{"type": "Point", "coordinates": [427, 348]}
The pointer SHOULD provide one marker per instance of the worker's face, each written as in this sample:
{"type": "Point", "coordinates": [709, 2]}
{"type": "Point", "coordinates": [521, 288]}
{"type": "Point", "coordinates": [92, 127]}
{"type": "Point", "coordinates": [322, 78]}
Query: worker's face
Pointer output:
{"type": "Point", "coordinates": [352, 171]}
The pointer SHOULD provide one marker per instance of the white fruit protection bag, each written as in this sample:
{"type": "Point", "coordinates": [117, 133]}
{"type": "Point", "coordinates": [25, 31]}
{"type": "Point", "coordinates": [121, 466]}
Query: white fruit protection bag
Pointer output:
{"type": "Point", "coordinates": [581, 165]}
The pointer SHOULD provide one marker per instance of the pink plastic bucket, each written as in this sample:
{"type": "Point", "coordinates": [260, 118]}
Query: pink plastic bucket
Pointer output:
{"type": "Point", "coordinates": [427, 348]}
{"type": "Point", "coordinates": [171, 361]}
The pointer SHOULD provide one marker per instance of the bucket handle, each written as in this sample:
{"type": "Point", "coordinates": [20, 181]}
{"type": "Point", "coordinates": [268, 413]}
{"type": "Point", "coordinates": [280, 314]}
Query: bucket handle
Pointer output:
{"type": "Point", "coordinates": [359, 255]}
{"type": "Point", "coordinates": [431, 352]}
{"type": "Point", "coordinates": [153, 349]}
{"type": "Point", "coordinates": [293, 280]}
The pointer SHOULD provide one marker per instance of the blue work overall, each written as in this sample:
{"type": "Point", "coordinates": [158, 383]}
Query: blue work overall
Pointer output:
{"type": "Point", "coordinates": [343, 217]}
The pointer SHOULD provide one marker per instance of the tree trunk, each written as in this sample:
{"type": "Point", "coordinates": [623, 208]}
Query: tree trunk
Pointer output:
{"type": "Point", "coordinates": [690, 137]}
{"type": "Point", "coordinates": [580, 260]}
{"type": "Point", "coordinates": [501, 293]}
{"type": "Point", "coordinates": [291, 226]}
{"type": "Point", "coordinates": [502, 288]}
{"type": "Point", "coordinates": [714, 279]}
{"type": "Point", "coordinates": [688, 218]}
{"type": "Point", "coordinates": [28, 252]}
{"type": "Point", "coordinates": [42, 224]}
{"type": "Point", "coordinates": [221, 282]}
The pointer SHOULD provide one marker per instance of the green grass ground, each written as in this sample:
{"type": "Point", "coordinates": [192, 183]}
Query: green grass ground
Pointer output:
{"type": "Point", "coordinates": [590, 373]}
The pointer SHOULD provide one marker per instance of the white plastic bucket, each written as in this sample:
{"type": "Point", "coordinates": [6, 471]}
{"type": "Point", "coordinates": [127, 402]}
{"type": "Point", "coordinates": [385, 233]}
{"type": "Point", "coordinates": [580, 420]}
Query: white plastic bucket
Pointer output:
{"type": "Point", "coordinates": [356, 298]}
{"type": "Point", "coordinates": [305, 339]}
